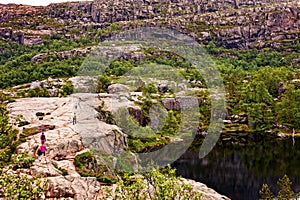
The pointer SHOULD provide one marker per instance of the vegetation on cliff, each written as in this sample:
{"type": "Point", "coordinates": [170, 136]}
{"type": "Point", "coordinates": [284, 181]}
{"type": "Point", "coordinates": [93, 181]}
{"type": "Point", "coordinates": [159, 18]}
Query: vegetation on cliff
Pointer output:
{"type": "Point", "coordinates": [15, 186]}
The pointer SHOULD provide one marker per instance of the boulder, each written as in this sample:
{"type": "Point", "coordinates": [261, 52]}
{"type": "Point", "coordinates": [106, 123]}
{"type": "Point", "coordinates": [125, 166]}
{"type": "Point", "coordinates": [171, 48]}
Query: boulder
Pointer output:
{"type": "Point", "coordinates": [171, 104]}
{"type": "Point", "coordinates": [44, 168]}
{"type": "Point", "coordinates": [207, 193]}
{"type": "Point", "coordinates": [35, 84]}
{"type": "Point", "coordinates": [117, 89]}
{"type": "Point", "coordinates": [78, 188]}
{"type": "Point", "coordinates": [163, 88]}
{"type": "Point", "coordinates": [180, 103]}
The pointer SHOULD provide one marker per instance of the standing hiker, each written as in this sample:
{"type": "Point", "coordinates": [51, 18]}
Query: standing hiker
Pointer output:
{"type": "Point", "coordinates": [74, 118]}
{"type": "Point", "coordinates": [43, 149]}
{"type": "Point", "coordinates": [39, 153]}
{"type": "Point", "coordinates": [43, 138]}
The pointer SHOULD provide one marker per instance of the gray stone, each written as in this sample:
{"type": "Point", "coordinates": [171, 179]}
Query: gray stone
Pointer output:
{"type": "Point", "coordinates": [118, 89]}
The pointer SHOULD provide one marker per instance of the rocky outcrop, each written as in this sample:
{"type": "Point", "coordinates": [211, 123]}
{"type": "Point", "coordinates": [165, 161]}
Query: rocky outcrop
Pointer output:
{"type": "Point", "coordinates": [117, 89]}
{"type": "Point", "coordinates": [207, 193]}
{"type": "Point", "coordinates": [63, 55]}
{"type": "Point", "coordinates": [66, 140]}
{"type": "Point", "coordinates": [233, 24]}
{"type": "Point", "coordinates": [73, 187]}
{"type": "Point", "coordinates": [10, 34]}
{"type": "Point", "coordinates": [181, 103]}
{"type": "Point", "coordinates": [102, 11]}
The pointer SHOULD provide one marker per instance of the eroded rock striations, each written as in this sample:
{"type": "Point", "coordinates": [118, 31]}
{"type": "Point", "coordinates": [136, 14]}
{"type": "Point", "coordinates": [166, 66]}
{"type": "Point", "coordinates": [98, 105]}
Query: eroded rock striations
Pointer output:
{"type": "Point", "coordinates": [237, 24]}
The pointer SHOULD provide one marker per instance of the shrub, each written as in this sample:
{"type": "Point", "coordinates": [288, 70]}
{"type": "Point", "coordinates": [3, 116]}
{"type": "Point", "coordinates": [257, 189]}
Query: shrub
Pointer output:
{"type": "Point", "coordinates": [23, 123]}
{"type": "Point", "coordinates": [163, 184]}
{"type": "Point", "coordinates": [87, 165]}
{"type": "Point", "coordinates": [15, 186]}
{"type": "Point", "coordinates": [22, 160]}
{"type": "Point", "coordinates": [38, 114]}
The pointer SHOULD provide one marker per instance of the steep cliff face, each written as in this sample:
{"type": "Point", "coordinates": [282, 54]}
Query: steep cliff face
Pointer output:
{"type": "Point", "coordinates": [237, 24]}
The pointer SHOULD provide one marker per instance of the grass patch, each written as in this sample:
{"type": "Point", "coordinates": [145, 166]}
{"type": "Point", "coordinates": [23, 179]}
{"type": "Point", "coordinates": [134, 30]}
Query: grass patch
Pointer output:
{"type": "Point", "coordinates": [87, 166]}
{"type": "Point", "coordinates": [147, 144]}
{"type": "Point", "coordinates": [38, 129]}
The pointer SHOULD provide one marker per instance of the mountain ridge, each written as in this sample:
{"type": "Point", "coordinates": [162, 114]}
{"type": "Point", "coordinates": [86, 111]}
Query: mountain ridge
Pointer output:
{"type": "Point", "coordinates": [231, 24]}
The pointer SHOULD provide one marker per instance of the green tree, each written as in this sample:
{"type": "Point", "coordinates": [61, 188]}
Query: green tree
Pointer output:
{"type": "Point", "coordinates": [288, 108]}
{"type": "Point", "coordinates": [285, 189]}
{"type": "Point", "coordinates": [103, 82]}
{"type": "Point", "coordinates": [5, 128]}
{"type": "Point", "coordinates": [149, 89]}
{"type": "Point", "coordinates": [258, 103]}
{"type": "Point", "coordinates": [68, 88]}
{"type": "Point", "coordinates": [271, 78]}
{"type": "Point", "coordinates": [119, 67]}
{"type": "Point", "coordinates": [257, 92]}
{"type": "Point", "coordinates": [171, 125]}
{"type": "Point", "coordinates": [265, 193]}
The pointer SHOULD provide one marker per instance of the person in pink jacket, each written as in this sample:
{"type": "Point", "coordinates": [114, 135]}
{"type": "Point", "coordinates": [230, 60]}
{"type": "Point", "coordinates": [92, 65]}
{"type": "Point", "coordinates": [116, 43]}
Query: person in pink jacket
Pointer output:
{"type": "Point", "coordinates": [43, 138]}
{"type": "Point", "coordinates": [43, 149]}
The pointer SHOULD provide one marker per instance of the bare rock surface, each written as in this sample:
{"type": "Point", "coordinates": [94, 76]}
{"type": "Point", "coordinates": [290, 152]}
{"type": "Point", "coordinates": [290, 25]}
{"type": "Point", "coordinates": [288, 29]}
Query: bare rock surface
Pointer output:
{"type": "Point", "coordinates": [66, 140]}
{"type": "Point", "coordinates": [73, 187]}
{"type": "Point", "coordinates": [207, 193]}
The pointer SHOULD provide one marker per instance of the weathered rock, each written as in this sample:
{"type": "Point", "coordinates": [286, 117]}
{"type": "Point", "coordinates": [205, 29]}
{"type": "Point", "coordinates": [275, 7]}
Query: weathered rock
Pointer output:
{"type": "Point", "coordinates": [41, 168]}
{"type": "Point", "coordinates": [163, 88]}
{"type": "Point", "coordinates": [232, 24]}
{"type": "Point", "coordinates": [181, 103]}
{"type": "Point", "coordinates": [137, 113]}
{"type": "Point", "coordinates": [84, 83]}
{"type": "Point", "coordinates": [208, 193]}
{"type": "Point", "coordinates": [117, 89]}
{"type": "Point", "coordinates": [171, 104]}
{"type": "Point", "coordinates": [35, 84]}
{"type": "Point", "coordinates": [75, 187]}
{"type": "Point", "coordinates": [97, 134]}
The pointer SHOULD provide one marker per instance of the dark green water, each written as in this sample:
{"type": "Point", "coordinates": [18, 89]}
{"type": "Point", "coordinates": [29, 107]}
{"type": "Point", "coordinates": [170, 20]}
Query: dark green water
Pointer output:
{"type": "Point", "coordinates": [239, 171]}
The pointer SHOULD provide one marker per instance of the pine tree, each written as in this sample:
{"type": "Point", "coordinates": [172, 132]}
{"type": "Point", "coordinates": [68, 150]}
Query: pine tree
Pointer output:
{"type": "Point", "coordinates": [285, 189]}
{"type": "Point", "coordinates": [265, 192]}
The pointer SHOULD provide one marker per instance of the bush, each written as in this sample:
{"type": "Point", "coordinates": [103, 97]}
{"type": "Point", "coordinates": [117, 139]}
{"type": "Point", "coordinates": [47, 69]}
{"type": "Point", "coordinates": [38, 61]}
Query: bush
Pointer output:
{"type": "Point", "coordinates": [38, 114]}
{"type": "Point", "coordinates": [103, 82]}
{"type": "Point", "coordinates": [23, 123]}
{"type": "Point", "coordinates": [68, 88]}
{"type": "Point", "coordinates": [22, 160]}
{"type": "Point", "coordinates": [13, 186]}
{"type": "Point", "coordinates": [87, 166]}
{"type": "Point", "coordinates": [163, 184]}
{"type": "Point", "coordinates": [285, 188]}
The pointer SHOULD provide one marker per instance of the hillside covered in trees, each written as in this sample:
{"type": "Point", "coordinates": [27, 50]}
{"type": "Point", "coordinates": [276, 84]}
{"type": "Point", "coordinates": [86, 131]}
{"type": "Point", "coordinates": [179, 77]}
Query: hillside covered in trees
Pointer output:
{"type": "Point", "coordinates": [255, 46]}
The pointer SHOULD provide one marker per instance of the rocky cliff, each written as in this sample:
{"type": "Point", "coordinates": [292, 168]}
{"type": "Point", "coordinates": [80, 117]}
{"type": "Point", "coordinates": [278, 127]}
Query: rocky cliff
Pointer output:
{"type": "Point", "coordinates": [65, 140]}
{"type": "Point", "coordinates": [233, 24]}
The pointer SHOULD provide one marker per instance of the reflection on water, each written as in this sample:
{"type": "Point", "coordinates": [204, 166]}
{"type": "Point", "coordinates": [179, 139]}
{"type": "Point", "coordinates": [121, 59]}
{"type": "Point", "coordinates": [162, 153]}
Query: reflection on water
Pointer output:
{"type": "Point", "coordinates": [239, 172]}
